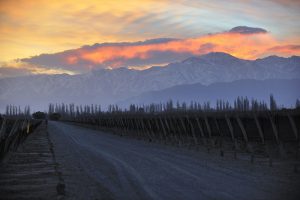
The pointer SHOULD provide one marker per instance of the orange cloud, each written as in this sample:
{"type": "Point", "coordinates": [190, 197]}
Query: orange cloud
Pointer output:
{"type": "Point", "coordinates": [242, 42]}
{"type": "Point", "coordinates": [285, 50]}
{"type": "Point", "coordinates": [246, 46]}
{"type": "Point", "coordinates": [30, 27]}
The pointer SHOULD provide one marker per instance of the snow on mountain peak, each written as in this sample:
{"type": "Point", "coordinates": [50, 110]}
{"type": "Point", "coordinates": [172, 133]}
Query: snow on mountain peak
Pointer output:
{"type": "Point", "coordinates": [103, 86]}
{"type": "Point", "coordinates": [218, 56]}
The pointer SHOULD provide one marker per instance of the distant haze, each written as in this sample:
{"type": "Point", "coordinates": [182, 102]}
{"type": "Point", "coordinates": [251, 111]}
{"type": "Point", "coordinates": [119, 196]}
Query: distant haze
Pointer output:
{"type": "Point", "coordinates": [120, 85]}
{"type": "Point", "coordinates": [284, 91]}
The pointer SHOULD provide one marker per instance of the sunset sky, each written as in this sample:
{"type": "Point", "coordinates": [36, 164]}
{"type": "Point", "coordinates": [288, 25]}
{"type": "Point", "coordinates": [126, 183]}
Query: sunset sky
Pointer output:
{"type": "Point", "coordinates": [29, 28]}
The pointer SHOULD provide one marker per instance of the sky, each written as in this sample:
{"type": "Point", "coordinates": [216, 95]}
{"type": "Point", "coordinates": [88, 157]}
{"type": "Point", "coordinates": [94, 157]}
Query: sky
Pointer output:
{"type": "Point", "coordinates": [74, 36]}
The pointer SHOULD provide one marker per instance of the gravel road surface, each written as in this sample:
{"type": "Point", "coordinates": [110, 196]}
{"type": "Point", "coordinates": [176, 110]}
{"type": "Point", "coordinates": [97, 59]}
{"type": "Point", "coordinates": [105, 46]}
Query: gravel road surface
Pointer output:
{"type": "Point", "coordinates": [98, 165]}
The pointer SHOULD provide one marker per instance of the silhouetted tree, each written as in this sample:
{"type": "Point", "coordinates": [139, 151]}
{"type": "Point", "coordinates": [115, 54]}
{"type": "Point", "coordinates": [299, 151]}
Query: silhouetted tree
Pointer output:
{"type": "Point", "coordinates": [273, 105]}
{"type": "Point", "coordinates": [39, 115]}
{"type": "Point", "coordinates": [297, 104]}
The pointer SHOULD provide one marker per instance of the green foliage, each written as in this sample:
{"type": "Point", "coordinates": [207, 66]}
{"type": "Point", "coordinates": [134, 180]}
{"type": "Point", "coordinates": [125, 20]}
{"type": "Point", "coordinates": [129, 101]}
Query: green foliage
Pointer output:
{"type": "Point", "coordinates": [54, 116]}
{"type": "Point", "coordinates": [39, 115]}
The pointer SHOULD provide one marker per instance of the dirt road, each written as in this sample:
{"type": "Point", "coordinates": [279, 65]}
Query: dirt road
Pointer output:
{"type": "Point", "coordinates": [97, 165]}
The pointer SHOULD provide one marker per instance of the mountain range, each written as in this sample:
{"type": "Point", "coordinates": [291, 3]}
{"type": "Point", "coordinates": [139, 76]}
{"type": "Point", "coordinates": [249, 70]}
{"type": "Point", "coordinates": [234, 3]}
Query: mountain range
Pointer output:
{"type": "Point", "coordinates": [285, 91]}
{"type": "Point", "coordinates": [107, 86]}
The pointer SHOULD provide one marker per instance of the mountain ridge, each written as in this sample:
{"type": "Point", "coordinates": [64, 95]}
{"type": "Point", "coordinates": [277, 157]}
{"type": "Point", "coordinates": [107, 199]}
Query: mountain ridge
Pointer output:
{"type": "Point", "coordinates": [107, 86]}
{"type": "Point", "coordinates": [285, 92]}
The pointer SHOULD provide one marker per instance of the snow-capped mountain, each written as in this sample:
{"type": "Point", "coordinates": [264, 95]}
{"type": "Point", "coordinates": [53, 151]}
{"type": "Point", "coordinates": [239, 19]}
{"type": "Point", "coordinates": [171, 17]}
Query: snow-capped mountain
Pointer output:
{"type": "Point", "coordinates": [107, 86]}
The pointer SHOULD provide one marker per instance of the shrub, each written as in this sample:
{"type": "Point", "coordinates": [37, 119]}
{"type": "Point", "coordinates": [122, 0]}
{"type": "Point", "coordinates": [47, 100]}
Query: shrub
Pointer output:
{"type": "Point", "coordinates": [39, 115]}
{"type": "Point", "coordinates": [54, 116]}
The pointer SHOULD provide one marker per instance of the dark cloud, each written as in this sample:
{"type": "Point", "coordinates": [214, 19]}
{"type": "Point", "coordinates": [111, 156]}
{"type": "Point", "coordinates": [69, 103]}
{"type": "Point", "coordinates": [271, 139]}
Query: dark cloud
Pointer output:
{"type": "Point", "coordinates": [13, 72]}
{"type": "Point", "coordinates": [247, 30]}
{"type": "Point", "coordinates": [58, 60]}
{"type": "Point", "coordinates": [162, 50]}
{"type": "Point", "coordinates": [139, 43]}
{"type": "Point", "coordinates": [19, 68]}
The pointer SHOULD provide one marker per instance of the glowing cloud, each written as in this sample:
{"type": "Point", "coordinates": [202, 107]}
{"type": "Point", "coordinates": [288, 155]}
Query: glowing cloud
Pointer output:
{"type": "Point", "coordinates": [285, 50]}
{"type": "Point", "coordinates": [242, 42]}
{"type": "Point", "coordinates": [29, 27]}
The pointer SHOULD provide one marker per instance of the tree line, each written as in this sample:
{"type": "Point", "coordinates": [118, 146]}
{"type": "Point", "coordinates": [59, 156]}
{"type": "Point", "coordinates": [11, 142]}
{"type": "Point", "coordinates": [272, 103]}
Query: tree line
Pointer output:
{"type": "Point", "coordinates": [240, 104]}
{"type": "Point", "coordinates": [12, 110]}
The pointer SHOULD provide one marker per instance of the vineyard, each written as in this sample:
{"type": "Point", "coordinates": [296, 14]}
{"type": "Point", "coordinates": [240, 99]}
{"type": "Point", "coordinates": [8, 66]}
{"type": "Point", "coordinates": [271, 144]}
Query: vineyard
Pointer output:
{"type": "Point", "coordinates": [157, 142]}
{"type": "Point", "coordinates": [14, 131]}
{"type": "Point", "coordinates": [266, 133]}
{"type": "Point", "coordinates": [251, 127]}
